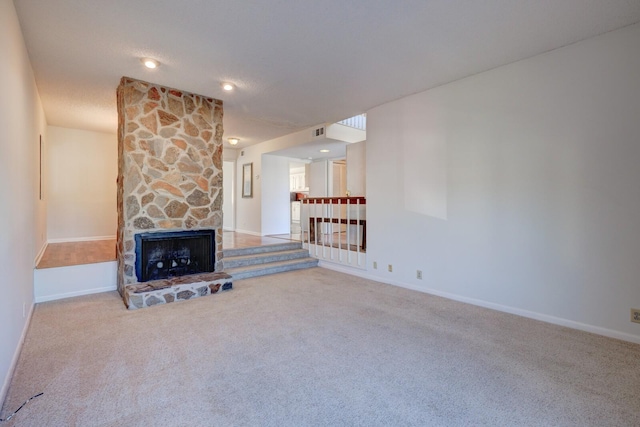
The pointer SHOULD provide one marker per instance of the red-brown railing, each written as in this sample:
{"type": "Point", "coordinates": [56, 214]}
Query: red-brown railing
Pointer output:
{"type": "Point", "coordinates": [322, 214]}
{"type": "Point", "coordinates": [361, 200]}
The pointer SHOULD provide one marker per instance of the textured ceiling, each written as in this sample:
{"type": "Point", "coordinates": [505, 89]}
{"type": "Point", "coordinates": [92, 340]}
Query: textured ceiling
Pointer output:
{"type": "Point", "coordinates": [296, 63]}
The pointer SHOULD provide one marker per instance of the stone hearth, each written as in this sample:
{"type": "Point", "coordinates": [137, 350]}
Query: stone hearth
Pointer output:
{"type": "Point", "coordinates": [175, 289]}
{"type": "Point", "coordinates": [169, 179]}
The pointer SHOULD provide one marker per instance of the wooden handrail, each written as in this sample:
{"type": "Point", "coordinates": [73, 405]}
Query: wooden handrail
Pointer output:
{"type": "Point", "coordinates": [357, 200]}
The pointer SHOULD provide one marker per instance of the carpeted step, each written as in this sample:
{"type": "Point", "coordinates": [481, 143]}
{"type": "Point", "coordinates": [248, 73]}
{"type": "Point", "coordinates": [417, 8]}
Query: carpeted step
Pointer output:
{"type": "Point", "coordinates": [228, 253]}
{"type": "Point", "coordinates": [243, 263]}
{"type": "Point", "coordinates": [256, 270]}
{"type": "Point", "coordinates": [263, 258]}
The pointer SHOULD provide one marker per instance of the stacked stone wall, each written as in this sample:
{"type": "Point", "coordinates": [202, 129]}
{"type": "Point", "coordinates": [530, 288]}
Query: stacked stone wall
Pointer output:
{"type": "Point", "coordinates": [169, 167]}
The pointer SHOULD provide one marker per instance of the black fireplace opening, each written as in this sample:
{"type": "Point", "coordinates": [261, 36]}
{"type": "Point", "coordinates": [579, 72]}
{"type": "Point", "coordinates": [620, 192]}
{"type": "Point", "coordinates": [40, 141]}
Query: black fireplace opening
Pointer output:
{"type": "Point", "coordinates": [175, 253]}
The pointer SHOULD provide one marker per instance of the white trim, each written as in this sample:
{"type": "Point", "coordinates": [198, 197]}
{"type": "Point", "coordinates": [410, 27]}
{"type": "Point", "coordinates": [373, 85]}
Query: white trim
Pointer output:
{"type": "Point", "coordinates": [16, 356]}
{"type": "Point", "coordinates": [350, 270]}
{"type": "Point", "coordinates": [253, 233]}
{"type": "Point", "coordinates": [40, 254]}
{"type": "Point", "coordinates": [81, 239]}
{"type": "Point", "coordinates": [493, 306]}
{"type": "Point", "coordinates": [228, 229]}
{"type": "Point", "coordinates": [76, 293]}
{"type": "Point", "coordinates": [343, 268]}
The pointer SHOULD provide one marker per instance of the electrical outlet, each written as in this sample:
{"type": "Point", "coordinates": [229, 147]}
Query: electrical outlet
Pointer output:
{"type": "Point", "coordinates": [390, 268]}
{"type": "Point", "coordinates": [375, 265]}
{"type": "Point", "coordinates": [419, 274]}
{"type": "Point", "coordinates": [635, 315]}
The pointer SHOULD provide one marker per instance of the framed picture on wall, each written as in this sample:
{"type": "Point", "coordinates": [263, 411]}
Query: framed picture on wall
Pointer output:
{"type": "Point", "coordinates": [247, 180]}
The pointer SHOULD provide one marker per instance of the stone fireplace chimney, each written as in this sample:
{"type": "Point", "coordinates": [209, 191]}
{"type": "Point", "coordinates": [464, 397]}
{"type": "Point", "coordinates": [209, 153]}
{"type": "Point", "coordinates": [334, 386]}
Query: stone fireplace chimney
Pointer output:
{"type": "Point", "coordinates": [169, 171]}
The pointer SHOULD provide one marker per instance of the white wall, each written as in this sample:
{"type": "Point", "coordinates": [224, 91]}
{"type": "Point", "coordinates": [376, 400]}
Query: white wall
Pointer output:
{"type": "Point", "coordinates": [357, 168]}
{"type": "Point", "coordinates": [229, 154]}
{"type": "Point", "coordinates": [83, 167]}
{"type": "Point", "coordinates": [249, 210]}
{"type": "Point", "coordinates": [22, 214]}
{"type": "Point", "coordinates": [539, 181]}
{"type": "Point", "coordinates": [65, 282]}
{"type": "Point", "coordinates": [345, 133]}
{"type": "Point", "coordinates": [319, 178]}
{"type": "Point", "coordinates": [276, 202]}
{"type": "Point", "coordinates": [228, 196]}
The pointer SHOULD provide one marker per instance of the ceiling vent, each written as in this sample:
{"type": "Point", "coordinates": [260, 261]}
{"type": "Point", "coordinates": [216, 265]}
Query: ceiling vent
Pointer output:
{"type": "Point", "coordinates": [318, 132]}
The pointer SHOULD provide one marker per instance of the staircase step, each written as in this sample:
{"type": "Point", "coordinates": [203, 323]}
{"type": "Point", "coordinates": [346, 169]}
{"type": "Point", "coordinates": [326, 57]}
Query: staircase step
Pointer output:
{"type": "Point", "coordinates": [271, 268]}
{"type": "Point", "coordinates": [243, 263]}
{"type": "Point", "coordinates": [226, 253]}
{"type": "Point", "coordinates": [263, 258]}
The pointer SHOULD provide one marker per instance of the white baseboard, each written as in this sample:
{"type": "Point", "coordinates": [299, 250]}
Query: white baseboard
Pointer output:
{"type": "Point", "coordinates": [40, 254]}
{"type": "Point", "coordinates": [493, 306]}
{"type": "Point", "coordinates": [16, 356]}
{"type": "Point", "coordinates": [343, 268]}
{"type": "Point", "coordinates": [80, 239]}
{"type": "Point", "coordinates": [252, 233]}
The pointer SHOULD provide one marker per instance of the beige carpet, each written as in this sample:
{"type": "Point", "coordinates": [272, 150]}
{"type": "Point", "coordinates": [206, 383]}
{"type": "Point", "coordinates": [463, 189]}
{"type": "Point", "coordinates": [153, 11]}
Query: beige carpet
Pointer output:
{"type": "Point", "coordinates": [315, 347]}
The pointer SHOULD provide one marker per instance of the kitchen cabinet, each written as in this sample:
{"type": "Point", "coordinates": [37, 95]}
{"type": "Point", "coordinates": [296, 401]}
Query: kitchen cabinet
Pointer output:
{"type": "Point", "coordinates": [297, 182]}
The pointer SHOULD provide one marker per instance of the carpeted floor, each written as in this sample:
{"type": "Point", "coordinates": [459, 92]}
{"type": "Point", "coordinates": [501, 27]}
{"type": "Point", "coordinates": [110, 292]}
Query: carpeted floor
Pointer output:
{"type": "Point", "coordinates": [315, 347]}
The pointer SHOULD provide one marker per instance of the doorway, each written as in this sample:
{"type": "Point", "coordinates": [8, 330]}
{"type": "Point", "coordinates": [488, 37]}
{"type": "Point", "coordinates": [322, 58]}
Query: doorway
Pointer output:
{"type": "Point", "coordinates": [299, 189]}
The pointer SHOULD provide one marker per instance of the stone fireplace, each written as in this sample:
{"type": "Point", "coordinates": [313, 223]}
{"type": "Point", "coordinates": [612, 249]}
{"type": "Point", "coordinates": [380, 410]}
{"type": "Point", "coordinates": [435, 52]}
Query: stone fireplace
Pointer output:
{"type": "Point", "coordinates": [169, 190]}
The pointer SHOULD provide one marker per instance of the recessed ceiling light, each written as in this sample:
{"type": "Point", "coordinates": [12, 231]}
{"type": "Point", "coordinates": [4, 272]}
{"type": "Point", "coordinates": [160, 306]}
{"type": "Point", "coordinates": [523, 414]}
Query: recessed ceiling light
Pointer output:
{"type": "Point", "coordinates": [233, 141]}
{"type": "Point", "coordinates": [150, 63]}
{"type": "Point", "coordinates": [227, 86]}
{"type": "Point", "coordinates": [324, 150]}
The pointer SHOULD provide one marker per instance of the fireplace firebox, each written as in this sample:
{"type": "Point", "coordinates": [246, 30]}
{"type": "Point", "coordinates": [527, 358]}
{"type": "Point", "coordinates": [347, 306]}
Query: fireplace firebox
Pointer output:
{"type": "Point", "coordinates": [164, 255]}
